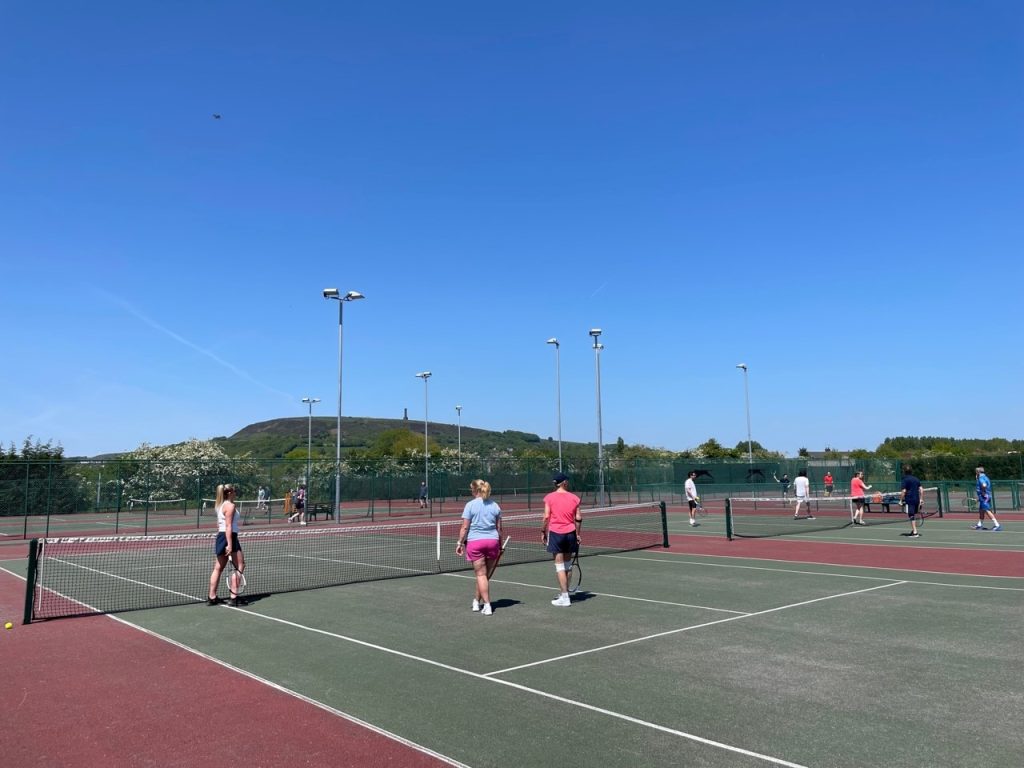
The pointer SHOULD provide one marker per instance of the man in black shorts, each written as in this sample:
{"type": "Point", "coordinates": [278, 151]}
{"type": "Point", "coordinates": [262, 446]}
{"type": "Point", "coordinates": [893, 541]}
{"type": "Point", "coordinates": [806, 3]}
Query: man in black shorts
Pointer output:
{"type": "Point", "coordinates": [910, 495]}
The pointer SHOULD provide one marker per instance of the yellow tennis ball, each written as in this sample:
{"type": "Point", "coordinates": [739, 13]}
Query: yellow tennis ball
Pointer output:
{"type": "Point", "coordinates": [8, 625]}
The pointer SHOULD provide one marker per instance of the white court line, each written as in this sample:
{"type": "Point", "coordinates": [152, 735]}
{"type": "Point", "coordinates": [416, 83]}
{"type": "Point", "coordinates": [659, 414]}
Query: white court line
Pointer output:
{"type": "Point", "coordinates": [675, 559]}
{"type": "Point", "coordinates": [534, 691]}
{"type": "Point", "coordinates": [602, 594]}
{"type": "Point", "coordinates": [120, 578]}
{"type": "Point", "coordinates": [692, 627]}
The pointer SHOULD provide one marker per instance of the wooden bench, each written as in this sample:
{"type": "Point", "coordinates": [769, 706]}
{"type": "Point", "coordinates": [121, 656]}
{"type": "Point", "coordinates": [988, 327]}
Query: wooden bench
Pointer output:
{"type": "Point", "coordinates": [314, 510]}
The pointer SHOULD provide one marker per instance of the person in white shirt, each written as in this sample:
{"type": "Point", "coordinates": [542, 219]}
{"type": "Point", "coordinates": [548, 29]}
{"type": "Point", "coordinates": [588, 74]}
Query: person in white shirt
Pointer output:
{"type": "Point", "coordinates": [802, 489]}
{"type": "Point", "coordinates": [692, 499]}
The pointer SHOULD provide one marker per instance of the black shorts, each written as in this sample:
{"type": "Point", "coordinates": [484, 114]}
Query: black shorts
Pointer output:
{"type": "Point", "coordinates": [220, 546]}
{"type": "Point", "coordinates": [566, 543]}
{"type": "Point", "coordinates": [692, 503]}
{"type": "Point", "coordinates": [913, 509]}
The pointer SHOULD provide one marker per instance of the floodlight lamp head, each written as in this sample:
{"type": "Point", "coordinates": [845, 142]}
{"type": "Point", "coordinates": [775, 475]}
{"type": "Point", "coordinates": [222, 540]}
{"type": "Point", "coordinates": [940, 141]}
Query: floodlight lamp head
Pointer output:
{"type": "Point", "coordinates": [331, 293]}
{"type": "Point", "coordinates": [424, 375]}
{"type": "Point", "coordinates": [353, 295]}
{"type": "Point", "coordinates": [742, 366]}
{"type": "Point", "coordinates": [595, 332]}
{"type": "Point", "coordinates": [458, 408]}
{"type": "Point", "coordinates": [552, 340]}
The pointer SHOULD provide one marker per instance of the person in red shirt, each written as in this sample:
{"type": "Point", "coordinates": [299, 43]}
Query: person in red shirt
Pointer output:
{"type": "Point", "coordinates": [858, 492]}
{"type": "Point", "coordinates": [829, 484]}
{"type": "Point", "coordinates": [560, 531]}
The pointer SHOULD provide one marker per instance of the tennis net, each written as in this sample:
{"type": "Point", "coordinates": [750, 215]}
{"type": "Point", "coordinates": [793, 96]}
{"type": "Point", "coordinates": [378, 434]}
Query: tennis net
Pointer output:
{"type": "Point", "coordinates": [159, 506]}
{"type": "Point", "coordinates": [761, 517]}
{"type": "Point", "coordinates": [106, 574]}
{"type": "Point", "coordinates": [251, 511]}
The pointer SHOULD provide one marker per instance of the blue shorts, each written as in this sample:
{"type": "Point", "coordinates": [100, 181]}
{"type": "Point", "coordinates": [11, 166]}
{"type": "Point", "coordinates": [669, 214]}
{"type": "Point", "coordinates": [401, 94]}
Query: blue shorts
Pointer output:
{"type": "Point", "coordinates": [985, 506]}
{"type": "Point", "coordinates": [913, 509]}
{"type": "Point", "coordinates": [565, 543]}
{"type": "Point", "coordinates": [220, 546]}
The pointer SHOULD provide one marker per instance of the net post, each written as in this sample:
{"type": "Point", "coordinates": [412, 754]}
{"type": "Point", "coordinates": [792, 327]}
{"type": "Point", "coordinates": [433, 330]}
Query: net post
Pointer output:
{"type": "Point", "coordinates": [939, 503]}
{"type": "Point", "coordinates": [30, 580]}
{"type": "Point", "coordinates": [664, 524]}
{"type": "Point", "coordinates": [728, 518]}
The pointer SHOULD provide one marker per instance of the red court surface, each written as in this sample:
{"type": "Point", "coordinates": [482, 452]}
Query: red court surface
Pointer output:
{"type": "Point", "coordinates": [95, 692]}
{"type": "Point", "coordinates": [977, 562]}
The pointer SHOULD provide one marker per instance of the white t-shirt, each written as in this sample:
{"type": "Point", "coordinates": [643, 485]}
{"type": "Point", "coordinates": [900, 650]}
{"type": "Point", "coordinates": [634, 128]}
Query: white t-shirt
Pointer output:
{"type": "Point", "coordinates": [691, 489]}
{"type": "Point", "coordinates": [802, 487]}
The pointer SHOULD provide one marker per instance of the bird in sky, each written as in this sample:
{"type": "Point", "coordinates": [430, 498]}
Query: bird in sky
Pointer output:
{"type": "Point", "coordinates": [216, 116]}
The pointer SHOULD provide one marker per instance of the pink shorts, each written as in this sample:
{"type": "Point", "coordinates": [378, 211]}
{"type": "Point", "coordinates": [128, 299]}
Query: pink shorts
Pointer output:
{"type": "Point", "coordinates": [481, 548]}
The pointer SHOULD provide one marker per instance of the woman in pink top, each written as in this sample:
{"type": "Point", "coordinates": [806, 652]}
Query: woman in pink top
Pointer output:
{"type": "Point", "coordinates": [560, 531]}
{"type": "Point", "coordinates": [858, 492]}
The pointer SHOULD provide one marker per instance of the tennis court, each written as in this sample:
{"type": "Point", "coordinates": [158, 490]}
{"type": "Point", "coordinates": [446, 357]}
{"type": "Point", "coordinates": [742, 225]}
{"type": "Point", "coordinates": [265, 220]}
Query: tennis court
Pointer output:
{"type": "Point", "coordinates": [851, 647]}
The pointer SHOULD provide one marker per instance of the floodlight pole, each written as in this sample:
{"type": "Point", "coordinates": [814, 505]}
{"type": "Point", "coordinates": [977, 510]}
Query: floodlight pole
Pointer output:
{"type": "Point", "coordinates": [458, 409]}
{"type": "Point", "coordinates": [596, 333]}
{"type": "Point", "coordinates": [310, 401]}
{"type": "Point", "coordinates": [426, 443]}
{"type": "Point", "coordinates": [558, 394]}
{"type": "Point", "coordinates": [335, 294]}
{"type": "Point", "coordinates": [746, 397]}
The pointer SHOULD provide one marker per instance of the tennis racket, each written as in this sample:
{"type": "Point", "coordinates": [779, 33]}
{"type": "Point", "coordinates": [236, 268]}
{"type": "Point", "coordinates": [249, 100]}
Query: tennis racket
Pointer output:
{"type": "Point", "coordinates": [234, 572]}
{"type": "Point", "coordinates": [701, 512]}
{"type": "Point", "coordinates": [575, 574]}
{"type": "Point", "coordinates": [494, 565]}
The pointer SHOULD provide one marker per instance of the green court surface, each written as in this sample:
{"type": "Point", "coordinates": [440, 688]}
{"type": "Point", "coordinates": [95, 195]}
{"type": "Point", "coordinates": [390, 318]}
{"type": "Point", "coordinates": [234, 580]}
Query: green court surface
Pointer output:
{"type": "Point", "coordinates": [665, 659]}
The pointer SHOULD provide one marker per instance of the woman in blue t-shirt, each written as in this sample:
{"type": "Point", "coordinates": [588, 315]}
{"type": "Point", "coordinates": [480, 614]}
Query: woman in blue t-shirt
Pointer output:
{"type": "Point", "coordinates": [480, 539]}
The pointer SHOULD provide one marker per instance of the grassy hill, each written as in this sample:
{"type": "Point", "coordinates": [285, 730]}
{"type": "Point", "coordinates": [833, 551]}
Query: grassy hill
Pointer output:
{"type": "Point", "coordinates": [278, 437]}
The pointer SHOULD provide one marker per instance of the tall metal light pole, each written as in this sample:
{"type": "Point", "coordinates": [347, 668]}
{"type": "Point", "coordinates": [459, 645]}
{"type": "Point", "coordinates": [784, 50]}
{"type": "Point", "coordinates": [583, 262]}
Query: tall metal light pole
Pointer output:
{"type": "Point", "coordinates": [595, 333]}
{"type": "Point", "coordinates": [333, 293]}
{"type": "Point", "coordinates": [310, 401]}
{"type": "Point", "coordinates": [426, 443]}
{"type": "Point", "coordinates": [746, 397]}
{"type": "Point", "coordinates": [458, 409]}
{"type": "Point", "coordinates": [558, 394]}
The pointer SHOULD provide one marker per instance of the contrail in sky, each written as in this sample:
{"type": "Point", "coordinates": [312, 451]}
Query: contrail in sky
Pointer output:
{"type": "Point", "coordinates": [182, 340]}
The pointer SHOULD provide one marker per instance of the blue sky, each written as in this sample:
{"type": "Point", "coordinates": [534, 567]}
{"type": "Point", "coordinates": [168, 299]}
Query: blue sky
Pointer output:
{"type": "Point", "coordinates": [829, 193]}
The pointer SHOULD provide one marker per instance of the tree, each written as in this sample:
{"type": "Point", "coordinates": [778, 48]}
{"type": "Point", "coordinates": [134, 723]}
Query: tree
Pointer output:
{"type": "Point", "coordinates": [191, 469]}
{"type": "Point", "coordinates": [39, 481]}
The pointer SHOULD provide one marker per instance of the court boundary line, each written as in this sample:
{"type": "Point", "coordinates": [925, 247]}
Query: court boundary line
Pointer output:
{"type": "Point", "coordinates": [601, 594]}
{"type": "Point", "coordinates": [276, 686]}
{"type": "Point", "coordinates": [526, 689]}
{"type": "Point", "coordinates": [295, 694]}
{"type": "Point", "coordinates": [833, 565]}
{"type": "Point", "coordinates": [692, 627]}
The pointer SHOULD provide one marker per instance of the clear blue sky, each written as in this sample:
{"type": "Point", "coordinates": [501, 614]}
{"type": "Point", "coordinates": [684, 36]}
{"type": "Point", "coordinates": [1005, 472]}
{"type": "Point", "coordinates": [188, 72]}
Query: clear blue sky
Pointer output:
{"type": "Point", "coordinates": [830, 193]}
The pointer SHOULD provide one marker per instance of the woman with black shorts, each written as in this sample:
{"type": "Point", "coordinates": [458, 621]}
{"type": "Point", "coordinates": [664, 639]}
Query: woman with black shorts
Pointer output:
{"type": "Point", "coordinates": [226, 545]}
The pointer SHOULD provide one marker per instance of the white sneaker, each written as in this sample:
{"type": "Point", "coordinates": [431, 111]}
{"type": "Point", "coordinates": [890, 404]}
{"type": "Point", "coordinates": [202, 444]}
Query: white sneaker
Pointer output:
{"type": "Point", "coordinates": [302, 522]}
{"type": "Point", "coordinates": [487, 611]}
{"type": "Point", "coordinates": [476, 605]}
{"type": "Point", "coordinates": [562, 600]}
{"type": "Point", "coordinates": [693, 522]}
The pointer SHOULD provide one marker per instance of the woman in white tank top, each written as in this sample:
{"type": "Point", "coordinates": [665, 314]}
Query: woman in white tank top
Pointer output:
{"type": "Point", "coordinates": [226, 545]}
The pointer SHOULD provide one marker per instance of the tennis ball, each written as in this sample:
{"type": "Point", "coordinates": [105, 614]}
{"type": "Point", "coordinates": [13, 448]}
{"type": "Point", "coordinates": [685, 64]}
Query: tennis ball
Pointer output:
{"type": "Point", "coordinates": [8, 625]}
